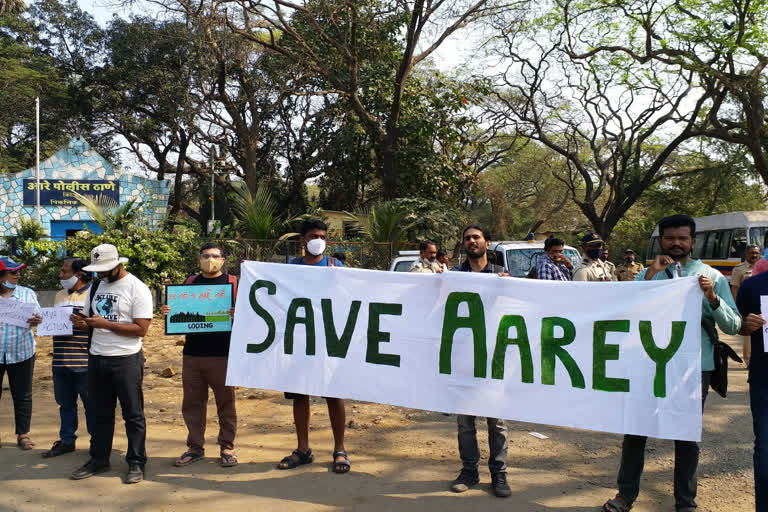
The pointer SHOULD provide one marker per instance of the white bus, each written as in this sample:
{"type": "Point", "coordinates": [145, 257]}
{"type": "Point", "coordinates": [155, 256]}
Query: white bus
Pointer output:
{"type": "Point", "coordinates": [721, 239]}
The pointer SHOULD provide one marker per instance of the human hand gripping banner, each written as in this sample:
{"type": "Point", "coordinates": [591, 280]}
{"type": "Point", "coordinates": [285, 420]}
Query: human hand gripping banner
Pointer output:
{"type": "Point", "coordinates": [622, 357]}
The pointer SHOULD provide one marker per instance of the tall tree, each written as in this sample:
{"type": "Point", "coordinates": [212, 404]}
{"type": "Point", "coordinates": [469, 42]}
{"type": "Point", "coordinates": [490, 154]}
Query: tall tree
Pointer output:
{"type": "Point", "coordinates": [360, 49]}
{"type": "Point", "coordinates": [720, 46]}
{"type": "Point", "coordinates": [616, 123]}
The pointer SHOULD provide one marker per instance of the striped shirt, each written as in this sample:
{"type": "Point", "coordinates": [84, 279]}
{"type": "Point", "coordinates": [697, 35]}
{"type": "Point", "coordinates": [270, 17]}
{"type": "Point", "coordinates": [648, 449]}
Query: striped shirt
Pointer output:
{"type": "Point", "coordinates": [18, 343]}
{"type": "Point", "coordinates": [72, 351]}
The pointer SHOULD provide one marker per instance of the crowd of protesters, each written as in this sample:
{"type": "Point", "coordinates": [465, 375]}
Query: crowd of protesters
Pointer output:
{"type": "Point", "coordinates": [102, 362]}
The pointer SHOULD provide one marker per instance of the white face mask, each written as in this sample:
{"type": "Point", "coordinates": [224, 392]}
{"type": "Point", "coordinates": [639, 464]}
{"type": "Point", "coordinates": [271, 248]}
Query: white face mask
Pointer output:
{"type": "Point", "coordinates": [316, 247]}
{"type": "Point", "coordinates": [68, 284]}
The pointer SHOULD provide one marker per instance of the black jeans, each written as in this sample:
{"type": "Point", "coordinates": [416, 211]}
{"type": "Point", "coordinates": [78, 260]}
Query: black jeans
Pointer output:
{"type": "Point", "coordinates": [20, 382]}
{"type": "Point", "coordinates": [686, 462]}
{"type": "Point", "coordinates": [111, 378]}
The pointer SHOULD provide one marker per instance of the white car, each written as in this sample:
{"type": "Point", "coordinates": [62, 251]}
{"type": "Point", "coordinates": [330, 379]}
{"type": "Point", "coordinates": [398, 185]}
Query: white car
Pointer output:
{"type": "Point", "coordinates": [403, 261]}
{"type": "Point", "coordinates": [519, 257]}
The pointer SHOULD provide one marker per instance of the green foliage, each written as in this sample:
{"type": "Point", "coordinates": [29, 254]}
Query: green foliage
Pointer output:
{"type": "Point", "coordinates": [153, 255]}
{"type": "Point", "coordinates": [40, 254]}
{"type": "Point", "coordinates": [256, 214]}
{"type": "Point", "coordinates": [108, 214]}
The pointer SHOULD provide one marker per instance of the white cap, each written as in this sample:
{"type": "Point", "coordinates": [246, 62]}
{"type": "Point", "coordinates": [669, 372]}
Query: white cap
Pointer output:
{"type": "Point", "coordinates": [104, 257]}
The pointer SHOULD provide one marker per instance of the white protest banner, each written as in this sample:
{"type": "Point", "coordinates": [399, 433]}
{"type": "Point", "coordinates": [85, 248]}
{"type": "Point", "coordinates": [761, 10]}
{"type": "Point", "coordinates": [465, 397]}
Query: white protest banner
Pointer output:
{"type": "Point", "coordinates": [14, 312]}
{"type": "Point", "coordinates": [621, 357]}
{"type": "Point", "coordinates": [55, 322]}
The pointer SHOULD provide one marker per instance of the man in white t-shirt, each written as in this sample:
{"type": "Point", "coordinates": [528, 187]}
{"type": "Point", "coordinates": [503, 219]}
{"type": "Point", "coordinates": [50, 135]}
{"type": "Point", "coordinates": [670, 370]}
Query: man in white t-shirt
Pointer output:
{"type": "Point", "coordinates": [119, 311]}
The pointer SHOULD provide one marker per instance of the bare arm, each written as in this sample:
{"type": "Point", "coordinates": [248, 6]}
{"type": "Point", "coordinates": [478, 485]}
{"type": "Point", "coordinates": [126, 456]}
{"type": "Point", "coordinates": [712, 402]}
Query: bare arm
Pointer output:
{"type": "Point", "coordinates": [137, 328]}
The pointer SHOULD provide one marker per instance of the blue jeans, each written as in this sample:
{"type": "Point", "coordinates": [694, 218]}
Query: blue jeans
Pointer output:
{"type": "Point", "coordinates": [758, 399]}
{"type": "Point", "coordinates": [67, 386]}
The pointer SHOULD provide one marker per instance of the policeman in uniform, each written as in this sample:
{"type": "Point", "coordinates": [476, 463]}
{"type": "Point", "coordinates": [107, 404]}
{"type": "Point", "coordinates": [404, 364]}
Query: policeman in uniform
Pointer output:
{"type": "Point", "coordinates": [609, 264]}
{"type": "Point", "coordinates": [629, 269]}
{"type": "Point", "coordinates": [591, 267]}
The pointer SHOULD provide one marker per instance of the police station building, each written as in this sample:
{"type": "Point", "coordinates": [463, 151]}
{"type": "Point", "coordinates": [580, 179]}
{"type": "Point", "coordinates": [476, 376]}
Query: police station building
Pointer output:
{"type": "Point", "coordinates": [76, 168]}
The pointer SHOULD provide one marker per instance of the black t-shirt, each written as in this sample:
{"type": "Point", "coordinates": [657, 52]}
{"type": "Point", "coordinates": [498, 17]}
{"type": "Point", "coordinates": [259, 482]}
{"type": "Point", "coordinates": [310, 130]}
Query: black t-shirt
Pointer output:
{"type": "Point", "coordinates": [212, 344]}
{"type": "Point", "coordinates": [748, 301]}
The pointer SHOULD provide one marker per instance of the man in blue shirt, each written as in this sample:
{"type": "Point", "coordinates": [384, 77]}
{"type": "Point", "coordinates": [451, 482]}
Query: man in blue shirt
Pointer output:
{"type": "Point", "coordinates": [313, 235]}
{"type": "Point", "coordinates": [677, 236]}
{"type": "Point", "coordinates": [553, 265]}
{"type": "Point", "coordinates": [748, 301]}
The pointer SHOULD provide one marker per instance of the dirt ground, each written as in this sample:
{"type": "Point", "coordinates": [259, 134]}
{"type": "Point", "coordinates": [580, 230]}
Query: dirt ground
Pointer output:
{"type": "Point", "coordinates": [402, 459]}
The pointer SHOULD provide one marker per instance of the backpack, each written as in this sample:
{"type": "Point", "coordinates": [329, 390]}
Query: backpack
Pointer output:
{"type": "Point", "coordinates": [721, 352]}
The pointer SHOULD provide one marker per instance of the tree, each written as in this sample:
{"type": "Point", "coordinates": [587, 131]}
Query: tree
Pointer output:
{"type": "Point", "coordinates": [365, 52]}
{"type": "Point", "coordinates": [720, 46]}
{"type": "Point", "coordinates": [617, 124]}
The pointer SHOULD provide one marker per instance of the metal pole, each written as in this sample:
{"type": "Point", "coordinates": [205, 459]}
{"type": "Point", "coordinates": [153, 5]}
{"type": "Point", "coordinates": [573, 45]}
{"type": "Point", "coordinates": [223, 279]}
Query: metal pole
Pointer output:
{"type": "Point", "coordinates": [37, 152]}
{"type": "Point", "coordinates": [213, 171]}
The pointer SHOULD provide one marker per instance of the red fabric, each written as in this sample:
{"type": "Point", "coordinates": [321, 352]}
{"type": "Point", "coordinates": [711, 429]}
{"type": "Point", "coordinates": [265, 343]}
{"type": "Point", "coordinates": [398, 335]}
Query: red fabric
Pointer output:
{"type": "Point", "coordinates": [760, 266]}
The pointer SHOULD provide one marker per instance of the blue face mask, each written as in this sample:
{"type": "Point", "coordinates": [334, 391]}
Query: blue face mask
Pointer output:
{"type": "Point", "coordinates": [8, 285]}
{"type": "Point", "coordinates": [594, 253]}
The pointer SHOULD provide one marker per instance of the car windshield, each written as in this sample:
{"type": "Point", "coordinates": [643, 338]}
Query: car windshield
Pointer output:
{"type": "Point", "coordinates": [521, 261]}
{"type": "Point", "coordinates": [403, 266]}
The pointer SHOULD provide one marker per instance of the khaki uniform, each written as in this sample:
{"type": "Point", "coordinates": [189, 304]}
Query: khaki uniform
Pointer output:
{"type": "Point", "coordinates": [612, 269]}
{"type": "Point", "coordinates": [740, 273]}
{"type": "Point", "coordinates": [424, 266]}
{"type": "Point", "coordinates": [628, 271]}
{"type": "Point", "coordinates": [592, 270]}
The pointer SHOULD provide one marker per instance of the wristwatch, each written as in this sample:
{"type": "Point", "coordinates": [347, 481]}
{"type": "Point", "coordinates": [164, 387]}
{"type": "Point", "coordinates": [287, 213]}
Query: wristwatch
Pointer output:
{"type": "Point", "coordinates": [715, 303]}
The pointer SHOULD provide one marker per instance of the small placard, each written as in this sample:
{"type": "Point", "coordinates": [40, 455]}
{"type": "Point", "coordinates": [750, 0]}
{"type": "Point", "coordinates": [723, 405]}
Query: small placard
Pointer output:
{"type": "Point", "coordinates": [56, 321]}
{"type": "Point", "coordinates": [198, 308]}
{"type": "Point", "coordinates": [14, 312]}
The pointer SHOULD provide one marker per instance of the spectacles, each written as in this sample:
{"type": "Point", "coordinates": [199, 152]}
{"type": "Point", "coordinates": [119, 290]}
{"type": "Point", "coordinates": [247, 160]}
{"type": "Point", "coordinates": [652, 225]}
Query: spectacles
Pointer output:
{"type": "Point", "coordinates": [211, 256]}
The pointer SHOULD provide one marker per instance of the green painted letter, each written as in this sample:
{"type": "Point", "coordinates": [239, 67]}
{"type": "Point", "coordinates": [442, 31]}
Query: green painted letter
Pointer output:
{"type": "Point", "coordinates": [255, 348]}
{"type": "Point", "coordinates": [335, 346]}
{"type": "Point", "coordinates": [452, 322]}
{"type": "Point", "coordinates": [602, 352]}
{"type": "Point", "coordinates": [375, 336]}
{"type": "Point", "coordinates": [552, 348]}
{"type": "Point", "coordinates": [523, 345]}
{"type": "Point", "coordinates": [308, 320]}
{"type": "Point", "coordinates": [661, 356]}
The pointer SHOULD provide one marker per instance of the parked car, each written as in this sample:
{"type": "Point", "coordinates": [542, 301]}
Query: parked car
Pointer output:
{"type": "Point", "coordinates": [403, 261]}
{"type": "Point", "coordinates": [518, 258]}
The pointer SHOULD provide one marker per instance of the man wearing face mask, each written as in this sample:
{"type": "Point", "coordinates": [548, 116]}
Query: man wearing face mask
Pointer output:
{"type": "Point", "coordinates": [119, 310]}
{"type": "Point", "coordinates": [17, 350]}
{"type": "Point", "coordinates": [70, 358]}
{"type": "Point", "coordinates": [629, 269]}
{"type": "Point", "coordinates": [205, 365]}
{"type": "Point", "coordinates": [313, 235]}
{"type": "Point", "coordinates": [591, 267]}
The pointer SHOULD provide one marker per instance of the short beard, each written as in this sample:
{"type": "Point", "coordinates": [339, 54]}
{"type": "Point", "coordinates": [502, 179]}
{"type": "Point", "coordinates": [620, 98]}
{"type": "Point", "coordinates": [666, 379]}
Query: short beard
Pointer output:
{"type": "Point", "coordinates": [475, 256]}
{"type": "Point", "coordinates": [677, 257]}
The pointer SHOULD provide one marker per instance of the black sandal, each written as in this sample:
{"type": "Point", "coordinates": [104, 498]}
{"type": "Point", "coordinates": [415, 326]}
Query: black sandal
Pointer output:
{"type": "Point", "coordinates": [342, 466]}
{"type": "Point", "coordinates": [302, 458]}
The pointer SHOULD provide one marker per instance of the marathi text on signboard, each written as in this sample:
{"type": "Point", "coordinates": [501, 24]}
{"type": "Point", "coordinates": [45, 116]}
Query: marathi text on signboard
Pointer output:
{"type": "Point", "coordinates": [61, 192]}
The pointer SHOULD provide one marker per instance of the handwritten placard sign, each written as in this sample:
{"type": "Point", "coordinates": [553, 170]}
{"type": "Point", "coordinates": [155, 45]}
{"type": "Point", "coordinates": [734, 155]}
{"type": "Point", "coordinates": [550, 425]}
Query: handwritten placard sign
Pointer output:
{"type": "Point", "coordinates": [13, 312]}
{"type": "Point", "coordinates": [55, 322]}
{"type": "Point", "coordinates": [198, 308]}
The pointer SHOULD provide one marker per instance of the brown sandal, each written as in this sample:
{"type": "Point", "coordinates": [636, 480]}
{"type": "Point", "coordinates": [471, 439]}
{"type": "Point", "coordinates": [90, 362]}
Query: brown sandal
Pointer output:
{"type": "Point", "coordinates": [24, 442]}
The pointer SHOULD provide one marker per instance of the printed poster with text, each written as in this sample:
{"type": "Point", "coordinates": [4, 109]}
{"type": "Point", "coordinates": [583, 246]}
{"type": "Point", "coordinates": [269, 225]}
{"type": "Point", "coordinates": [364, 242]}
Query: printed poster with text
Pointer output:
{"type": "Point", "coordinates": [198, 308]}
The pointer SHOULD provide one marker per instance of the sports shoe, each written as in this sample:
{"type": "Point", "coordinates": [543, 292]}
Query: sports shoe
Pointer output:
{"type": "Point", "coordinates": [465, 480]}
{"type": "Point", "coordinates": [499, 485]}
{"type": "Point", "coordinates": [59, 448]}
{"type": "Point", "coordinates": [89, 469]}
{"type": "Point", "coordinates": [134, 475]}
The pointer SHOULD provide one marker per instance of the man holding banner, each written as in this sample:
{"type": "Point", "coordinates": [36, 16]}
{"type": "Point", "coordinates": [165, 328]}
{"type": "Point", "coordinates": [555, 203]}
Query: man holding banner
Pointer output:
{"type": "Point", "coordinates": [477, 241]}
{"type": "Point", "coordinates": [313, 234]}
{"type": "Point", "coordinates": [677, 235]}
{"type": "Point", "coordinates": [204, 365]}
